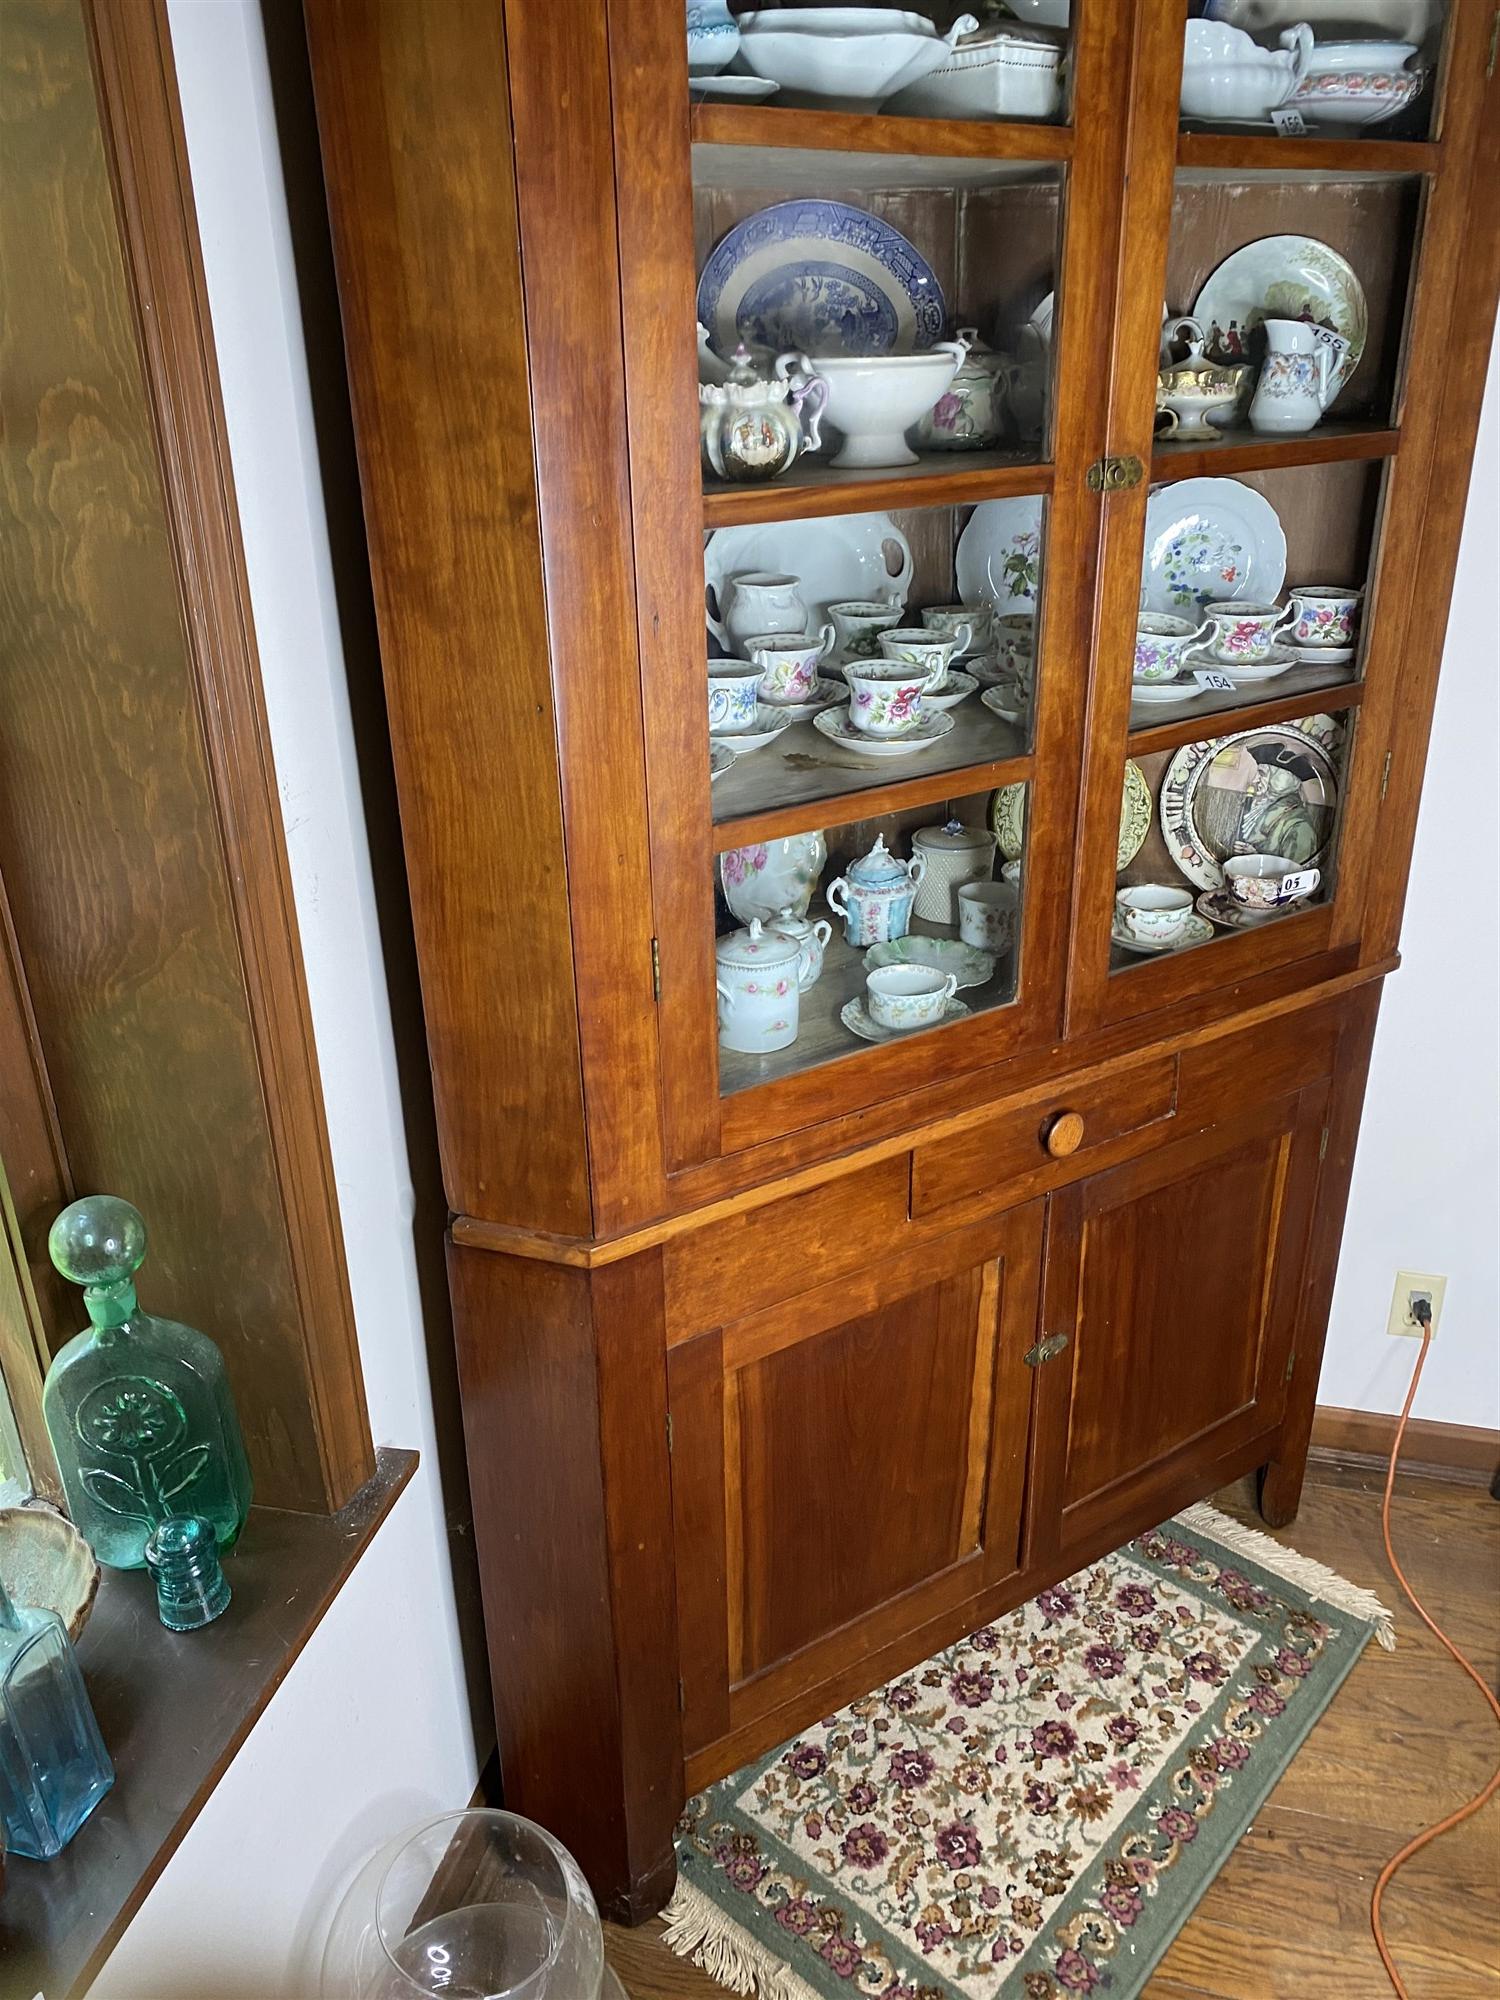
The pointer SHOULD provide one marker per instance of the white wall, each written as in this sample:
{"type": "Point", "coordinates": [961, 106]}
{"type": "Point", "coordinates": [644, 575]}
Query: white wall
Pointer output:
{"type": "Point", "coordinates": [371, 1728]}
{"type": "Point", "coordinates": [1426, 1192]}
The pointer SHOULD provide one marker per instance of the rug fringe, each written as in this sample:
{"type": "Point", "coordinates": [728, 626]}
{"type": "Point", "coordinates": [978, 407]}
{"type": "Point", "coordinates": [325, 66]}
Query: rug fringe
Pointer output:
{"type": "Point", "coordinates": [699, 1930]}
{"type": "Point", "coordinates": [1314, 1577]}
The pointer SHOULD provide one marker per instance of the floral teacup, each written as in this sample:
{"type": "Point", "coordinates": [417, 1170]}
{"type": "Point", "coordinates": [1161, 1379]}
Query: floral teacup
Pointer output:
{"type": "Point", "coordinates": [790, 664]}
{"type": "Point", "coordinates": [950, 619]}
{"type": "Point", "coordinates": [1153, 913]}
{"type": "Point", "coordinates": [1245, 631]}
{"type": "Point", "coordinates": [733, 689]}
{"type": "Point", "coordinates": [987, 914]}
{"type": "Point", "coordinates": [908, 996]}
{"type": "Point", "coordinates": [859, 621]}
{"type": "Point", "coordinates": [885, 697]}
{"type": "Point", "coordinates": [929, 652]}
{"type": "Point", "coordinates": [1325, 615]}
{"type": "Point", "coordinates": [1161, 643]}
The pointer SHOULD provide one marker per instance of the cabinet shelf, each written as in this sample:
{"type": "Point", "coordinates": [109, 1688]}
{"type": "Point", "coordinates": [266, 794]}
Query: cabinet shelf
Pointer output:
{"type": "Point", "coordinates": [1299, 691]}
{"type": "Point", "coordinates": [1252, 451]}
{"type": "Point", "coordinates": [803, 780]}
{"type": "Point", "coordinates": [1239, 154]}
{"type": "Point", "coordinates": [941, 479]}
{"type": "Point", "coordinates": [782, 127]}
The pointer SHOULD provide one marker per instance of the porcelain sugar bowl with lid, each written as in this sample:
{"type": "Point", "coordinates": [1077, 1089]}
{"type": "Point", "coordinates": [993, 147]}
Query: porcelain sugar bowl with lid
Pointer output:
{"type": "Point", "coordinates": [874, 896]}
{"type": "Point", "coordinates": [970, 414]}
{"type": "Point", "coordinates": [811, 939]}
{"type": "Point", "coordinates": [954, 854]}
{"type": "Point", "coordinates": [757, 985]}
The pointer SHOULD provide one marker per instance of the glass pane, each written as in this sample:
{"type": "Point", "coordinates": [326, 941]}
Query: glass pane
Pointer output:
{"type": "Point", "coordinates": [935, 59]}
{"type": "Point", "coordinates": [15, 1480]}
{"type": "Point", "coordinates": [1227, 834]}
{"type": "Point", "coordinates": [1323, 69]}
{"type": "Point", "coordinates": [919, 898]}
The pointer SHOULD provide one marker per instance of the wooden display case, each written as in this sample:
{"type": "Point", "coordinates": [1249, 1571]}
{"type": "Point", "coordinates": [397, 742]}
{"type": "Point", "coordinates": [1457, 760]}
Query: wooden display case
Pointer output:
{"type": "Point", "coordinates": [781, 1370]}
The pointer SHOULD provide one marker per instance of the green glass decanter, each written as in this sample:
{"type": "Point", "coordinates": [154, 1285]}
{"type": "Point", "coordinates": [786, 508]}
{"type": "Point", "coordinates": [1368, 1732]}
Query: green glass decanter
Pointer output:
{"type": "Point", "coordinates": [138, 1409]}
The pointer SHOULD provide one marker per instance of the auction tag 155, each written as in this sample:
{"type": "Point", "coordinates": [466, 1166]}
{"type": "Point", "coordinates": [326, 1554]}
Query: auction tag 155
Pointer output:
{"type": "Point", "coordinates": [1206, 678]}
{"type": "Point", "coordinates": [1290, 124]}
{"type": "Point", "coordinates": [1300, 884]}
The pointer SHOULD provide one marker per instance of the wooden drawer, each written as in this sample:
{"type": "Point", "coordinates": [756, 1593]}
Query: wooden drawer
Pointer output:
{"type": "Point", "coordinates": [760, 1255]}
{"type": "Point", "coordinates": [1014, 1142]}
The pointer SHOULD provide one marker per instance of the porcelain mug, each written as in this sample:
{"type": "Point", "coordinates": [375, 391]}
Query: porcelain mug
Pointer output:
{"type": "Point", "coordinates": [733, 689]}
{"type": "Point", "coordinates": [926, 651]}
{"type": "Point", "coordinates": [1296, 379]}
{"type": "Point", "coordinates": [950, 619]}
{"type": "Point", "coordinates": [1256, 880]}
{"type": "Point", "coordinates": [1161, 643]}
{"type": "Point", "coordinates": [885, 697]}
{"type": "Point", "coordinates": [908, 996]}
{"type": "Point", "coordinates": [987, 915]}
{"type": "Point", "coordinates": [1325, 615]}
{"type": "Point", "coordinates": [1245, 632]}
{"type": "Point", "coordinates": [760, 602]}
{"type": "Point", "coordinates": [859, 621]}
{"type": "Point", "coordinates": [1152, 913]}
{"type": "Point", "coordinates": [790, 663]}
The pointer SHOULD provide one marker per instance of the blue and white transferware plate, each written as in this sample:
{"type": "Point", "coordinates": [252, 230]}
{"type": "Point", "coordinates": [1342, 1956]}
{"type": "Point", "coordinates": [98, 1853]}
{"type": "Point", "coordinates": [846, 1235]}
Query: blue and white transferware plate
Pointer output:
{"type": "Point", "coordinates": [1209, 540]}
{"type": "Point", "coordinates": [822, 277]}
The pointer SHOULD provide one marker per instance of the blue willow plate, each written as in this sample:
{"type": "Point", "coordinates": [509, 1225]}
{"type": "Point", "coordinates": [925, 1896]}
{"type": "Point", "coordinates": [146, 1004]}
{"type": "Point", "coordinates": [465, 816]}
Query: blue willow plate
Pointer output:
{"type": "Point", "coordinates": [822, 277]}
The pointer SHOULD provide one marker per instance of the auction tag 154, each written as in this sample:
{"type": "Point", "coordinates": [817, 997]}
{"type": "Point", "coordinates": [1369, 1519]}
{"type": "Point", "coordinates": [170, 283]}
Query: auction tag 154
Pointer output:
{"type": "Point", "coordinates": [1207, 678]}
{"type": "Point", "coordinates": [1290, 124]}
{"type": "Point", "coordinates": [1300, 884]}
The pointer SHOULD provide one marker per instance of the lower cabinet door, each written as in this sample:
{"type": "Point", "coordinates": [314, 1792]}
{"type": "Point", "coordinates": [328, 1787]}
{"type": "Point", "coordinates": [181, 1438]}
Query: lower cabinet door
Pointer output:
{"type": "Point", "coordinates": [847, 1470]}
{"type": "Point", "coordinates": [1171, 1298]}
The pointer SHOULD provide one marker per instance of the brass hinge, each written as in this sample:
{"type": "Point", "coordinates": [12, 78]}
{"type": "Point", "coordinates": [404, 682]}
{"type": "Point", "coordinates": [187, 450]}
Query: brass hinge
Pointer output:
{"type": "Point", "coordinates": [1489, 68]}
{"type": "Point", "coordinates": [1385, 776]}
{"type": "Point", "coordinates": [656, 969]}
{"type": "Point", "coordinates": [669, 1433]}
{"type": "Point", "coordinates": [1291, 1362]}
{"type": "Point", "coordinates": [1114, 475]}
{"type": "Point", "coordinates": [1046, 1349]}
{"type": "Point", "coordinates": [1323, 1143]}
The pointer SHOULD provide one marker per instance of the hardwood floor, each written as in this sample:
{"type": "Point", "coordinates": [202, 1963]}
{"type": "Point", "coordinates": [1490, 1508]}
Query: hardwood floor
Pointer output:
{"type": "Point", "coordinates": [1403, 1742]}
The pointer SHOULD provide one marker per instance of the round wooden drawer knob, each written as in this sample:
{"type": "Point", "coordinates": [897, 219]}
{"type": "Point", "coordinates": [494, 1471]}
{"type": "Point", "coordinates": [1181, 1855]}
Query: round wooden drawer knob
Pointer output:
{"type": "Point", "coordinates": [1063, 1133]}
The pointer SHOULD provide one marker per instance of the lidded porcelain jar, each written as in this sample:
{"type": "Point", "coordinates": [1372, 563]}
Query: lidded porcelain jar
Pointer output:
{"type": "Point", "coordinates": [753, 428]}
{"type": "Point", "coordinates": [811, 939]}
{"type": "Point", "coordinates": [875, 895]}
{"type": "Point", "coordinates": [970, 413]}
{"type": "Point", "coordinates": [954, 854]}
{"type": "Point", "coordinates": [757, 986]}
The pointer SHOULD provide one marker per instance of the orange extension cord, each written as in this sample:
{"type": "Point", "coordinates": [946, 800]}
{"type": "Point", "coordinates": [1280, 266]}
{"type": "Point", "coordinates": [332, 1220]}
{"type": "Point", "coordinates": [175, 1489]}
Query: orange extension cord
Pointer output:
{"type": "Point", "coordinates": [1431, 1833]}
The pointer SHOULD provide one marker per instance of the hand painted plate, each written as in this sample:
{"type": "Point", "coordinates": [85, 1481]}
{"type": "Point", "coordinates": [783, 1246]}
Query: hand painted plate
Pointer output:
{"type": "Point", "coordinates": [969, 965]}
{"type": "Point", "coordinates": [857, 1019]}
{"type": "Point", "coordinates": [849, 556]}
{"type": "Point", "coordinates": [1286, 277]}
{"type": "Point", "coordinates": [1008, 818]}
{"type": "Point", "coordinates": [836, 725]}
{"type": "Point", "coordinates": [1210, 540]}
{"type": "Point", "coordinates": [999, 555]}
{"type": "Point", "coordinates": [1259, 791]}
{"type": "Point", "coordinates": [822, 277]}
{"type": "Point", "coordinates": [1221, 908]}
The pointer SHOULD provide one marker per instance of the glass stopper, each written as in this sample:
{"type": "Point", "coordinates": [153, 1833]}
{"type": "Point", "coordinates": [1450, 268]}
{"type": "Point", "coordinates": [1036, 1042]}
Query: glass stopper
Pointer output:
{"type": "Point", "coordinates": [191, 1588]}
{"type": "Point", "coordinates": [99, 1242]}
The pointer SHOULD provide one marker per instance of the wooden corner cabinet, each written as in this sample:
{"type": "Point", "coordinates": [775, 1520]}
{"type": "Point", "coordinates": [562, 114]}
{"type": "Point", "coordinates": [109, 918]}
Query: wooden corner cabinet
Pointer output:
{"type": "Point", "coordinates": [788, 1360]}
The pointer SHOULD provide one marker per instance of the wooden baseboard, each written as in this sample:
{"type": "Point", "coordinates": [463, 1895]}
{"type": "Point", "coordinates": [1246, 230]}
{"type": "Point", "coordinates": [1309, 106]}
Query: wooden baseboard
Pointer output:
{"type": "Point", "coordinates": [1458, 1451]}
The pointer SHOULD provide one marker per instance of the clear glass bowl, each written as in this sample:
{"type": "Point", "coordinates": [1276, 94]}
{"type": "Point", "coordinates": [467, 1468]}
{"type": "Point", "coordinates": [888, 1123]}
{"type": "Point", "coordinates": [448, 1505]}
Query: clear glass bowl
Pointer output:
{"type": "Point", "coordinates": [471, 1906]}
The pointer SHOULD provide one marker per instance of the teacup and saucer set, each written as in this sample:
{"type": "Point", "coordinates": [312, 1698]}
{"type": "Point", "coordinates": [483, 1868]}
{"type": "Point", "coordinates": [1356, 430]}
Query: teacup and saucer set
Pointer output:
{"type": "Point", "coordinates": [738, 720]}
{"type": "Point", "coordinates": [1323, 632]}
{"type": "Point", "coordinates": [1162, 647]}
{"type": "Point", "coordinates": [1244, 644]}
{"type": "Point", "coordinates": [1152, 918]}
{"type": "Point", "coordinates": [888, 713]}
{"type": "Point", "coordinates": [1256, 888]}
{"type": "Point", "coordinates": [899, 999]}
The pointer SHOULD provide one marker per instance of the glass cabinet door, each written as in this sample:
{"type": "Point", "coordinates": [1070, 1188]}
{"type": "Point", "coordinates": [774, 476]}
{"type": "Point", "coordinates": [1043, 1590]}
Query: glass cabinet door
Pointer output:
{"type": "Point", "coordinates": [865, 536]}
{"type": "Point", "coordinates": [1282, 395]}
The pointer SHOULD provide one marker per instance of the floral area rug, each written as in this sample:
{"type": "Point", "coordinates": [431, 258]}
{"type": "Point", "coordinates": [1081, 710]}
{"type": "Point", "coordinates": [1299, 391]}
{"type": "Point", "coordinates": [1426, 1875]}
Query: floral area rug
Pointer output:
{"type": "Point", "coordinates": [1034, 1812]}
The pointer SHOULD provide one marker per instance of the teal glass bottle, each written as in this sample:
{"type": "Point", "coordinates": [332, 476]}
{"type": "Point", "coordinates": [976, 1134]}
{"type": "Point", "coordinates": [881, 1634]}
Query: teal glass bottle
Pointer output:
{"type": "Point", "coordinates": [138, 1409]}
{"type": "Point", "coordinates": [191, 1589]}
{"type": "Point", "coordinates": [54, 1768]}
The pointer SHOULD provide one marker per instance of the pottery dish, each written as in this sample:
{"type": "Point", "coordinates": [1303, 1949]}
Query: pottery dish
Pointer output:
{"type": "Point", "coordinates": [854, 70]}
{"type": "Point", "coordinates": [1226, 74]}
{"type": "Point", "coordinates": [998, 73]}
{"type": "Point", "coordinates": [1196, 930]}
{"type": "Point", "coordinates": [1210, 539]}
{"type": "Point", "coordinates": [875, 399]}
{"type": "Point", "coordinates": [1357, 83]}
{"type": "Point", "coordinates": [45, 1562]}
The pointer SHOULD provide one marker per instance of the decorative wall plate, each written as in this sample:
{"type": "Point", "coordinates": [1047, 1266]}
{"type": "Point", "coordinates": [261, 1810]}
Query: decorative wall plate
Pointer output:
{"type": "Point", "coordinates": [836, 725]}
{"type": "Point", "coordinates": [822, 277]}
{"type": "Point", "coordinates": [848, 556]}
{"type": "Point", "coordinates": [770, 876]}
{"type": "Point", "coordinates": [1000, 553]}
{"type": "Point", "coordinates": [1208, 540]}
{"type": "Point", "coordinates": [1287, 277]}
{"type": "Point", "coordinates": [1008, 818]}
{"type": "Point", "coordinates": [1273, 790]}
{"type": "Point", "coordinates": [969, 965]}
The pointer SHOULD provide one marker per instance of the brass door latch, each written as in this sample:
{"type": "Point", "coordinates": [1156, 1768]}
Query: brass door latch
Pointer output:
{"type": "Point", "coordinates": [1114, 475]}
{"type": "Point", "coordinates": [1046, 1350]}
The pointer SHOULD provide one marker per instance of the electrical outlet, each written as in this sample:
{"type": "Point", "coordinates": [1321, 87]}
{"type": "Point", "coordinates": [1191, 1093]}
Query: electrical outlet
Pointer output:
{"type": "Point", "coordinates": [1411, 1286]}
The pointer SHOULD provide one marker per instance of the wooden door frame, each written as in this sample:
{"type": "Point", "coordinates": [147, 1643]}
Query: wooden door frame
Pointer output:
{"type": "Point", "coordinates": [146, 157]}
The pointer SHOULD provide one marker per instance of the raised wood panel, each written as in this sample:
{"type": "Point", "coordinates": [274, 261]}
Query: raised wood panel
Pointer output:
{"type": "Point", "coordinates": [140, 832]}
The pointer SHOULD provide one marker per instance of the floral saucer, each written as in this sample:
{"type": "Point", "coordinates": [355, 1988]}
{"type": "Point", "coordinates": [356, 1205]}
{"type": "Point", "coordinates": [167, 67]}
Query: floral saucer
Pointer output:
{"type": "Point", "coordinates": [1006, 700]}
{"type": "Point", "coordinates": [969, 965]}
{"type": "Point", "coordinates": [769, 723]}
{"type": "Point", "coordinates": [827, 694]}
{"type": "Point", "coordinates": [1197, 930]}
{"type": "Point", "coordinates": [1324, 656]}
{"type": "Point", "coordinates": [835, 724]}
{"type": "Point", "coordinates": [1144, 694]}
{"type": "Point", "coordinates": [1276, 662]}
{"type": "Point", "coordinates": [856, 1018]}
{"type": "Point", "coordinates": [958, 687]}
{"type": "Point", "coordinates": [720, 757]}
